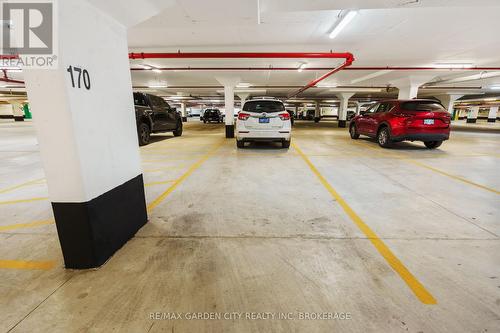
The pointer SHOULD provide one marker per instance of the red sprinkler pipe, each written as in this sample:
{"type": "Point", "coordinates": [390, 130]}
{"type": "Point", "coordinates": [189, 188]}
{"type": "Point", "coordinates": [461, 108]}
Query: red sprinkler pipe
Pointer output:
{"type": "Point", "coordinates": [10, 80]}
{"type": "Point", "coordinates": [314, 82]}
{"type": "Point", "coordinates": [349, 58]}
{"type": "Point", "coordinates": [243, 55]}
{"type": "Point", "coordinates": [270, 68]}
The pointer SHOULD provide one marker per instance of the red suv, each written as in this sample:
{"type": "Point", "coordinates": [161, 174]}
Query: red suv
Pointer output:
{"type": "Point", "coordinates": [399, 120]}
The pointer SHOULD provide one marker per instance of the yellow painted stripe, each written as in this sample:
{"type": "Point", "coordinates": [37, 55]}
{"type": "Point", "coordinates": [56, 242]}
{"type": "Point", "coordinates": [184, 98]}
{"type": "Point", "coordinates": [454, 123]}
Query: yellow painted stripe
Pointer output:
{"type": "Point", "coordinates": [174, 167]}
{"type": "Point", "coordinates": [159, 183]}
{"type": "Point", "coordinates": [20, 264]}
{"type": "Point", "coordinates": [182, 178]}
{"type": "Point", "coordinates": [423, 165]}
{"type": "Point", "coordinates": [157, 160]}
{"type": "Point", "coordinates": [418, 289]}
{"type": "Point", "coordinates": [452, 176]}
{"type": "Point", "coordinates": [25, 225]}
{"type": "Point", "coordinates": [22, 200]}
{"type": "Point", "coordinates": [31, 182]}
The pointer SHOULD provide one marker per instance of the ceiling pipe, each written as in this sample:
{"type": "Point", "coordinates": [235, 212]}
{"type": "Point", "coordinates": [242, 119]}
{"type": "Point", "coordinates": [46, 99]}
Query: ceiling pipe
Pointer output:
{"type": "Point", "coordinates": [321, 78]}
{"type": "Point", "coordinates": [317, 68]}
{"type": "Point", "coordinates": [349, 59]}
{"type": "Point", "coordinates": [243, 55]}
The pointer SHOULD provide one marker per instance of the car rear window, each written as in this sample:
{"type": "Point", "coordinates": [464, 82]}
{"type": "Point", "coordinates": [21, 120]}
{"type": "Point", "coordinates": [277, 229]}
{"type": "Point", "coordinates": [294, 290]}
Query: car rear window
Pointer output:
{"type": "Point", "coordinates": [422, 106]}
{"type": "Point", "coordinates": [263, 106]}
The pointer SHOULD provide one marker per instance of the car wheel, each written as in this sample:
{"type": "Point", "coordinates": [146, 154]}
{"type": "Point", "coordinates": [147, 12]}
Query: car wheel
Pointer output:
{"type": "Point", "coordinates": [383, 137]}
{"type": "Point", "coordinates": [144, 134]}
{"type": "Point", "coordinates": [353, 131]}
{"type": "Point", "coordinates": [285, 144]}
{"type": "Point", "coordinates": [240, 144]}
{"type": "Point", "coordinates": [178, 130]}
{"type": "Point", "coordinates": [432, 144]}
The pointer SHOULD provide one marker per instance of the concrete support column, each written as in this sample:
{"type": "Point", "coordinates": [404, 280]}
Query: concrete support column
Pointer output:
{"type": "Point", "coordinates": [492, 115]}
{"type": "Point", "coordinates": [358, 108]}
{"type": "Point", "coordinates": [408, 86]}
{"type": "Point", "coordinates": [448, 101]}
{"type": "Point", "coordinates": [229, 82]}
{"type": "Point", "coordinates": [243, 97]}
{"type": "Point", "coordinates": [344, 103]}
{"type": "Point", "coordinates": [17, 110]}
{"type": "Point", "coordinates": [408, 92]}
{"type": "Point", "coordinates": [183, 112]}
{"type": "Point", "coordinates": [229, 107]}
{"type": "Point", "coordinates": [317, 112]}
{"type": "Point", "coordinates": [88, 137]}
{"type": "Point", "coordinates": [472, 114]}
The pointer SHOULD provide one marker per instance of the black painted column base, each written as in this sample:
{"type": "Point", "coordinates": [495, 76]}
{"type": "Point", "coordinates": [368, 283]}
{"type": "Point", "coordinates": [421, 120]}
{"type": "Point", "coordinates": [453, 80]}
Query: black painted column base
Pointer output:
{"type": "Point", "coordinates": [492, 120]}
{"type": "Point", "coordinates": [317, 119]}
{"type": "Point", "coordinates": [342, 123]}
{"type": "Point", "coordinates": [229, 131]}
{"type": "Point", "coordinates": [91, 232]}
{"type": "Point", "coordinates": [184, 119]}
{"type": "Point", "coordinates": [471, 120]}
{"type": "Point", "coordinates": [21, 118]}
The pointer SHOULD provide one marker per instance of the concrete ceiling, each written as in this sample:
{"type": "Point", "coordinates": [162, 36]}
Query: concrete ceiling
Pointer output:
{"type": "Point", "coordinates": [384, 33]}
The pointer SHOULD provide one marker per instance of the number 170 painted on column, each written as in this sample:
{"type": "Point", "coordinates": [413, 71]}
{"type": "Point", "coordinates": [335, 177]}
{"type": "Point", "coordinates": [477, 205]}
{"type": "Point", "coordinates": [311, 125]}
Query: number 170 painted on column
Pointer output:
{"type": "Point", "coordinates": [81, 72]}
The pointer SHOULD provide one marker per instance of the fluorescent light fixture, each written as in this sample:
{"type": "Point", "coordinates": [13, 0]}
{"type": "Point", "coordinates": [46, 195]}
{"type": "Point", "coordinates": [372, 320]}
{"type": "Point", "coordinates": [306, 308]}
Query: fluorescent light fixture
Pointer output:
{"type": "Point", "coordinates": [454, 65]}
{"type": "Point", "coordinates": [495, 87]}
{"type": "Point", "coordinates": [327, 85]}
{"type": "Point", "coordinates": [158, 86]}
{"type": "Point", "coordinates": [11, 86]}
{"type": "Point", "coordinates": [243, 85]}
{"type": "Point", "coordinates": [301, 67]}
{"type": "Point", "coordinates": [344, 21]}
{"type": "Point", "coordinates": [355, 90]}
{"type": "Point", "coordinates": [156, 70]}
{"type": "Point", "coordinates": [10, 68]}
{"type": "Point", "coordinates": [146, 66]}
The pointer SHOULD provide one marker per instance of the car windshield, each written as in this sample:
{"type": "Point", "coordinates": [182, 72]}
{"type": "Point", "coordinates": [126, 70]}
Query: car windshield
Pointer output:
{"type": "Point", "coordinates": [422, 106]}
{"type": "Point", "coordinates": [263, 106]}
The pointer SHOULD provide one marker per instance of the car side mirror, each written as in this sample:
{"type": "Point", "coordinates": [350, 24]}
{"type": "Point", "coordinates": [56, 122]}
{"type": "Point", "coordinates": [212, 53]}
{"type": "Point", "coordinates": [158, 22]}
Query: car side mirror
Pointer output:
{"type": "Point", "coordinates": [362, 113]}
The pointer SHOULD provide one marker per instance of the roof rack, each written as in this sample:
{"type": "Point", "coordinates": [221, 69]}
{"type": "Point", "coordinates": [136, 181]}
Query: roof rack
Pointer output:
{"type": "Point", "coordinates": [262, 97]}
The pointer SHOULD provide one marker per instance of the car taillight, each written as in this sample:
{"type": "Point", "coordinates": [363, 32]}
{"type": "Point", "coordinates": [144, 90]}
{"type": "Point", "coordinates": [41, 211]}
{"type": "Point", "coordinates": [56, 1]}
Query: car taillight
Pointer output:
{"type": "Point", "coordinates": [243, 116]}
{"type": "Point", "coordinates": [285, 116]}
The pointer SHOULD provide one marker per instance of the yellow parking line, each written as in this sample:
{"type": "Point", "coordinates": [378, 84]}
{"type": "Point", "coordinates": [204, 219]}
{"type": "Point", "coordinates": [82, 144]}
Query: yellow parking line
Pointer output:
{"type": "Point", "coordinates": [409, 160]}
{"type": "Point", "coordinates": [169, 159]}
{"type": "Point", "coordinates": [174, 167]}
{"type": "Point", "coordinates": [452, 176]}
{"type": "Point", "coordinates": [182, 178]}
{"type": "Point", "coordinates": [25, 225]}
{"type": "Point", "coordinates": [20, 264]}
{"type": "Point", "coordinates": [418, 289]}
{"type": "Point", "coordinates": [31, 182]}
{"type": "Point", "coordinates": [22, 200]}
{"type": "Point", "coordinates": [159, 183]}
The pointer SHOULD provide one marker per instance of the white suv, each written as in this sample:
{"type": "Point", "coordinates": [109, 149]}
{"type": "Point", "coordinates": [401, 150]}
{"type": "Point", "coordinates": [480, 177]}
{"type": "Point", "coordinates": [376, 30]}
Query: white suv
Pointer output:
{"type": "Point", "coordinates": [263, 119]}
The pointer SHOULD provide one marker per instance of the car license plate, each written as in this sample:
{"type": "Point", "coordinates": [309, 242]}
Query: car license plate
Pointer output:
{"type": "Point", "coordinates": [428, 121]}
{"type": "Point", "coordinates": [264, 120]}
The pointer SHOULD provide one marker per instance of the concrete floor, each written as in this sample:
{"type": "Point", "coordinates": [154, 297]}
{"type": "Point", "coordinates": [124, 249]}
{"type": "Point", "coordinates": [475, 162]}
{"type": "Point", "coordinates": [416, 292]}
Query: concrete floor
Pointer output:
{"type": "Point", "coordinates": [260, 231]}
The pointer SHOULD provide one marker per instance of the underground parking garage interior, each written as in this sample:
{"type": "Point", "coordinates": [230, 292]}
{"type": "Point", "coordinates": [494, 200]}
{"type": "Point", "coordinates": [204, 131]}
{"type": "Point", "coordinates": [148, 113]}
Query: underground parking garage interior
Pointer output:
{"type": "Point", "coordinates": [250, 166]}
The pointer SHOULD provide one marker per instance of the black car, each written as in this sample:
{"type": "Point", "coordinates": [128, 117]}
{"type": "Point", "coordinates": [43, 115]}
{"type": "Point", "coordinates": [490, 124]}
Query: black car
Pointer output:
{"type": "Point", "coordinates": [212, 115]}
{"type": "Point", "coordinates": [153, 115]}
